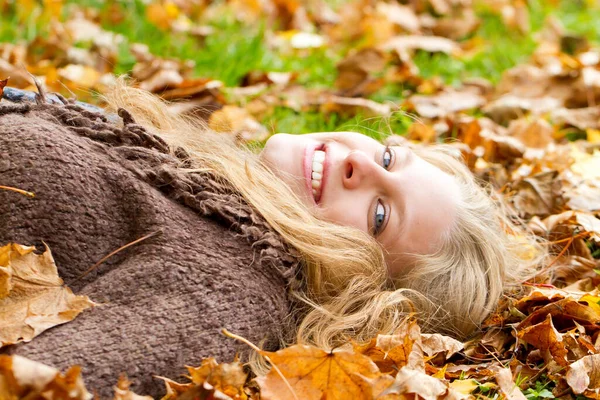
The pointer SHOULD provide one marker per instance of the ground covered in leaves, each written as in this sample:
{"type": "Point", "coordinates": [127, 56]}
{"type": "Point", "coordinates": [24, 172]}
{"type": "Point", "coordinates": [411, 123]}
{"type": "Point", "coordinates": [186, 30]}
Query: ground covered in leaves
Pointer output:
{"type": "Point", "coordinates": [514, 84]}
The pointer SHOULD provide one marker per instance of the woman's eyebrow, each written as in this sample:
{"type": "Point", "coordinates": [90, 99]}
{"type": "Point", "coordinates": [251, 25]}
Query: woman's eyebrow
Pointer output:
{"type": "Point", "coordinates": [397, 209]}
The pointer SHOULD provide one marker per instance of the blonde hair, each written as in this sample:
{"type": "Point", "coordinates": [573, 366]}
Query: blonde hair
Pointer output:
{"type": "Point", "coordinates": [347, 289]}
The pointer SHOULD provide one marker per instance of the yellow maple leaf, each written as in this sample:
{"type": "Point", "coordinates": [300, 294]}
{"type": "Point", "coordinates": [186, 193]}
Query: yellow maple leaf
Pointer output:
{"type": "Point", "coordinates": [33, 297]}
{"type": "Point", "coordinates": [312, 373]}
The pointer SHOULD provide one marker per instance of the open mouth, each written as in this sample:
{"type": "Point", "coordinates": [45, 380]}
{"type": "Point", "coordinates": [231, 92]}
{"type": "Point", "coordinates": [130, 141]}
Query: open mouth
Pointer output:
{"type": "Point", "coordinates": [316, 176]}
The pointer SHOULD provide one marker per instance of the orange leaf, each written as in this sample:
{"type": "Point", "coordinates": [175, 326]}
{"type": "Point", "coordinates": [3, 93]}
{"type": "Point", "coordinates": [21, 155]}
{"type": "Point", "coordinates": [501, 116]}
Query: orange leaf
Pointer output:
{"type": "Point", "coordinates": [546, 338]}
{"type": "Point", "coordinates": [3, 83]}
{"type": "Point", "coordinates": [316, 374]}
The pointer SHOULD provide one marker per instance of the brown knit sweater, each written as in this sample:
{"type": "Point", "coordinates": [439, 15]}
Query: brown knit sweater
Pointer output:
{"type": "Point", "coordinates": [99, 186]}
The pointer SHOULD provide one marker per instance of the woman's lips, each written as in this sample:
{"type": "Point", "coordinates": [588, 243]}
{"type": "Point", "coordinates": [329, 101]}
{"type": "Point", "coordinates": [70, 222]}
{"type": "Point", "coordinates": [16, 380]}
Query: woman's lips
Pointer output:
{"type": "Point", "coordinates": [325, 173]}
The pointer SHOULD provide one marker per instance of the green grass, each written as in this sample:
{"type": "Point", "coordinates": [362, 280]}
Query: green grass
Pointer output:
{"type": "Point", "coordinates": [236, 49]}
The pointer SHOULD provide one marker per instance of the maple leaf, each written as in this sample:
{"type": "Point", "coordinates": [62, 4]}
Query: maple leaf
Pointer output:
{"type": "Point", "coordinates": [312, 373]}
{"type": "Point", "coordinates": [545, 337]}
{"type": "Point", "coordinates": [33, 297]}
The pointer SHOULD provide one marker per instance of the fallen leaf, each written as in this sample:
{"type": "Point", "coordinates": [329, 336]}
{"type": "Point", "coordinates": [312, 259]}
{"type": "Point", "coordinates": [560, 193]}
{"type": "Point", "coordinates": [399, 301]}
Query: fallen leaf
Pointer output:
{"type": "Point", "coordinates": [349, 106]}
{"type": "Point", "coordinates": [537, 195]}
{"type": "Point", "coordinates": [24, 378]}
{"type": "Point", "coordinates": [3, 83]}
{"type": "Point", "coordinates": [32, 296]}
{"type": "Point", "coordinates": [392, 352]}
{"type": "Point", "coordinates": [228, 378]}
{"type": "Point", "coordinates": [238, 122]}
{"type": "Point", "coordinates": [506, 384]}
{"type": "Point", "coordinates": [316, 374]}
{"type": "Point", "coordinates": [410, 381]}
{"type": "Point", "coordinates": [584, 374]}
{"type": "Point", "coordinates": [447, 102]}
{"type": "Point", "coordinates": [122, 391]}
{"type": "Point", "coordinates": [431, 44]}
{"type": "Point", "coordinates": [435, 343]}
{"type": "Point", "coordinates": [536, 133]}
{"type": "Point", "coordinates": [355, 73]}
{"type": "Point", "coordinates": [545, 337]}
{"type": "Point", "coordinates": [464, 386]}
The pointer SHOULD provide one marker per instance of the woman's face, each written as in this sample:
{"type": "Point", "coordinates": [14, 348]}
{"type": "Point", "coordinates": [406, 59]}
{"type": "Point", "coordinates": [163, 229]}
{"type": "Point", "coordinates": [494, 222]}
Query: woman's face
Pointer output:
{"type": "Point", "coordinates": [406, 203]}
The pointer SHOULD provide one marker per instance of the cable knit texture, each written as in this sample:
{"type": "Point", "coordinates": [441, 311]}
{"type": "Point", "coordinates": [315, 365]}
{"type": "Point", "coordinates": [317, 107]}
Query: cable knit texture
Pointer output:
{"type": "Point", "coordinates": [98, 186]}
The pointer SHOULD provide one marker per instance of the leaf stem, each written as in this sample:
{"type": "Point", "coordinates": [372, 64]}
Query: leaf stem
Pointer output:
{"type": "Point", "coordinates": [90, 269]}
{"type": "Point", "coordinates": [21, 191]}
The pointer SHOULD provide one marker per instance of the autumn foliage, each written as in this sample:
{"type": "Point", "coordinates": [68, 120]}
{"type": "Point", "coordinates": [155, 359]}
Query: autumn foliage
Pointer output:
{"type": "Point", "coordinates": [534, 136]}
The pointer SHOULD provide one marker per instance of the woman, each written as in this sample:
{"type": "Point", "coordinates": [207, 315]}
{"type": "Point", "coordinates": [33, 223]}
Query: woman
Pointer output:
{"type": "Point", "coordinates": [450, 248]}
{"type": "Point", "coordinates": [379, 232]}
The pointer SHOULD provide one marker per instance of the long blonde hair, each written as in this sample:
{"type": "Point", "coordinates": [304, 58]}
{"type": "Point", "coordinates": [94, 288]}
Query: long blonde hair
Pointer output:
{"type": "Point", "coordinates": [347, 289]}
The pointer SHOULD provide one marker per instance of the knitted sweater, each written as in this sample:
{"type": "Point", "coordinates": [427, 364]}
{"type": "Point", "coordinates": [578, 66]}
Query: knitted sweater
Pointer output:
{"type": "Point", "coordinates": [98, 186]}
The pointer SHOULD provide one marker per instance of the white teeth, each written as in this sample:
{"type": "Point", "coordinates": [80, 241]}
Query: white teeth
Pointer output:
{"type": "Point", "coordinates": [317, 169]}
{"type": "Point", "coordinates": [319, 156]}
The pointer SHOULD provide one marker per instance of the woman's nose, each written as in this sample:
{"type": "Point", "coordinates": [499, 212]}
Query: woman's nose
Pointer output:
{"type": "Point", "coordinates": [358, 170]}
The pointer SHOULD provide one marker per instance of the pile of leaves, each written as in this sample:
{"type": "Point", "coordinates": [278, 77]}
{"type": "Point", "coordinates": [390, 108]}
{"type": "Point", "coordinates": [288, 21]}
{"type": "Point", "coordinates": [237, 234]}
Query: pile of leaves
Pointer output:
{"type": "Point", "coordinates": [535, 136]}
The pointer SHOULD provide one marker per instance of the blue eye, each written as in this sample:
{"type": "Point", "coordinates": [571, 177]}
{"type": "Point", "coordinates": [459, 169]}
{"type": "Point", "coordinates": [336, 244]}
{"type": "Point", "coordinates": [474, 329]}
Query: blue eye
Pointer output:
{"type": "Point", "coordinates": [379, 218]}
{"type": "Point", "coordinates": [387, 157]}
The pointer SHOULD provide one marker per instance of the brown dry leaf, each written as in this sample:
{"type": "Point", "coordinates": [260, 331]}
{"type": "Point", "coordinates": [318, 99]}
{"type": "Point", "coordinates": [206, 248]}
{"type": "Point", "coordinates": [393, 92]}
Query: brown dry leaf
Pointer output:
{"type": "Point", "coordinates": [392, 352]}
{"type": "Point", "coordinates": [228, 378]}
{"type": "Point", "coordinates": [538, 195]}
{"type": "Point", "coordinates": [412, 382]}
{"type": "Point", "coordinates": [545, 337]}
{"type": "Point", "coordinates": [423, 133]}
{"type": "Point", "coordinates": [583, 375]}
{"type": "Point", "coordinates": [238, 122]}
{"type": "Point", "coordinates": [435, 343]}
{"type": "Point", "coordinates": [401, 15]}
{"type": "Point", "coordinates": [3, 83]}
{"type": "Point", "coordinates": [580, 118]}
{"type": "Point", "coordinates": [506, 384]}
{"type": "Point", "coordinates": [447, 102]}
{"type": "Point", "coordinates": [458, 26]}
{"type": "Point", "coordinates": [350, 106]}
{"type": "Point", "coordinates": [22, 378]}
{"type": "Point", "coordinates": [355, 73]}
{"type": "Point", "coordinates": [314, 374]}
{"type": "Point", "coordinates": [174, 389]}
{"type": "Point", "coordinates": [431, 44]}
{"type": "Point", "coordinates": [122, 391]}
{"type": "Point", "coordinates": [584, 180]}
{"type": "Point", "coordinates": [565, 313]}
{"type": "Point", "coordinates": [210, 379]}
{"type": "Point", "coordinates": [537, 133]}
{"type": "Point", "coordinates": [32, 296]}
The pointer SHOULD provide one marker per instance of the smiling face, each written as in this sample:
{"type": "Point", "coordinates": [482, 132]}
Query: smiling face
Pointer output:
{"type": "Point", "coordinates": [350, 179]}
